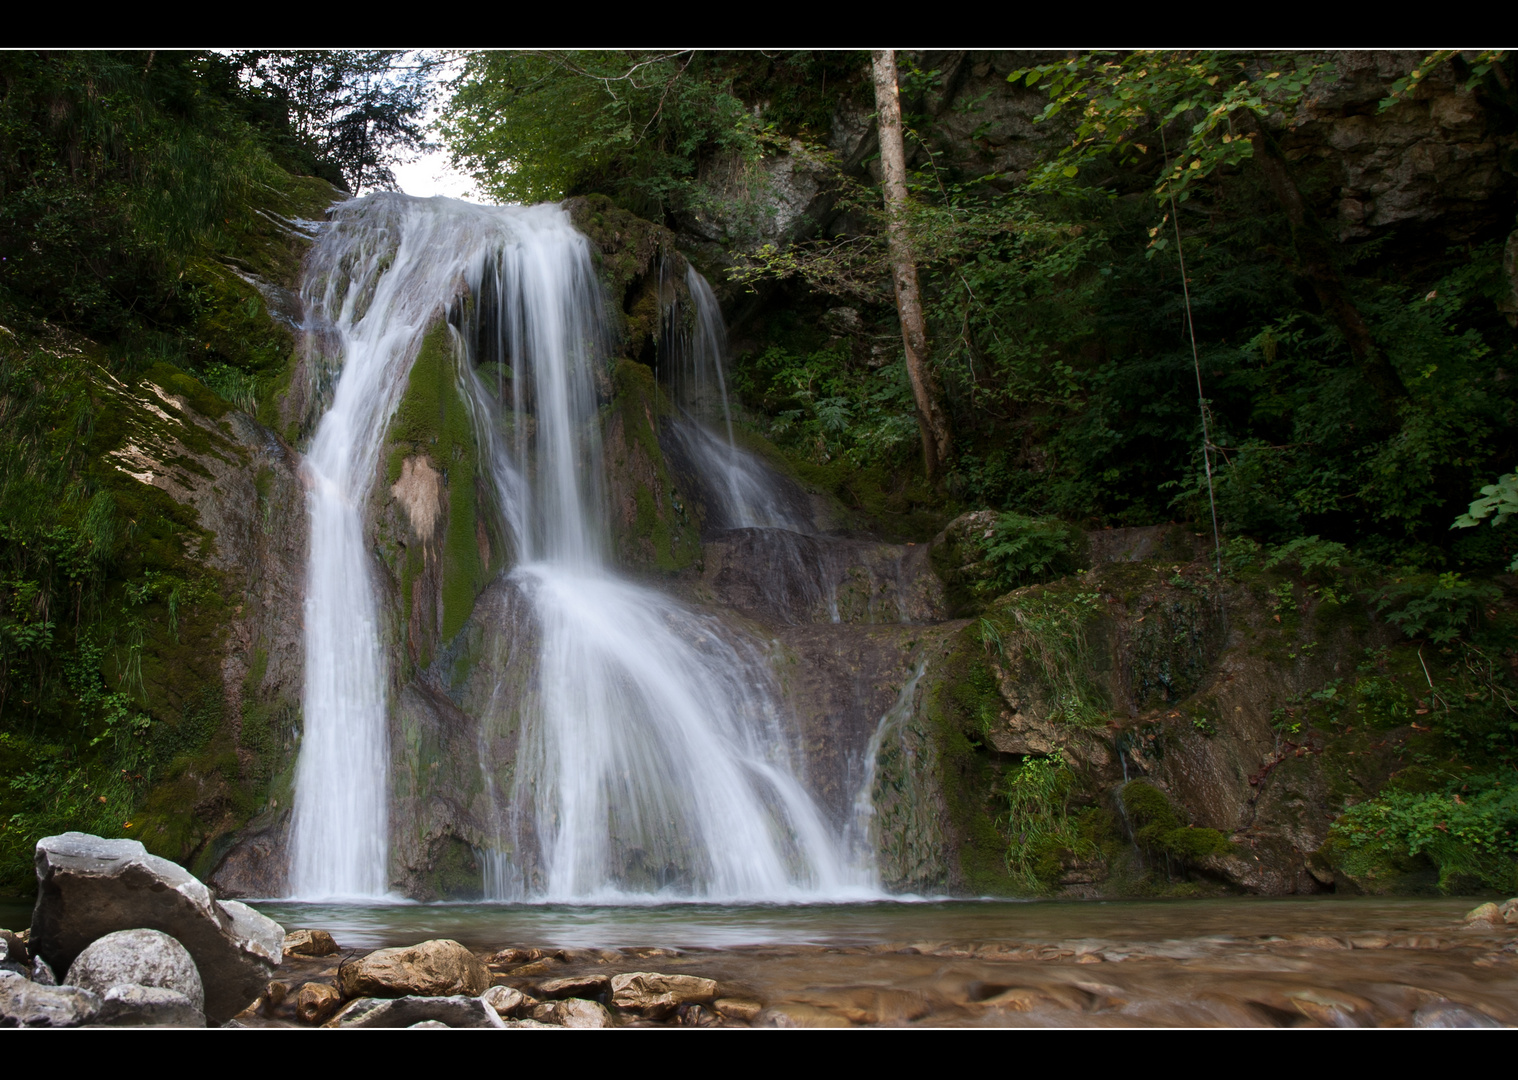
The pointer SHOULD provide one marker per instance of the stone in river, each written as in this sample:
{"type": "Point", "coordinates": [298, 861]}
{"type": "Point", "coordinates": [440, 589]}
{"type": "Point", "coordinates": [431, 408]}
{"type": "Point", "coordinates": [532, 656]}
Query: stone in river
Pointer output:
{"type": "Point", "coordinates": [1483, 916]}
{"type": "Point", "coordinates": [508, 1001]}
{"type": "Point", "coordinates": [315, 1001]}
{"type": "Point", "coordinates": [138, 958]}
{"type": "Point", "coordinates": [737, 1008]}
{"type": "Point", "coordinates": [88, 887]}
{"type": "Point", "coordinates": [437, 968]}
{"type": "Point", "coordinates": [309, 943]}
{"type": "Point", "coordinates": [656, 995]}
{"type": "Point", "coordinates": [575, 986]}
{"type": "Point", "coordinates": [573, 1013]}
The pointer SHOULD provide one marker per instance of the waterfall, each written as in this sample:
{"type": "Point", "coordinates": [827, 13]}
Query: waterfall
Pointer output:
{"type": "Point", "coordinates": [741, 487]}
{"type": "Point", "coordinates": [653, 755]}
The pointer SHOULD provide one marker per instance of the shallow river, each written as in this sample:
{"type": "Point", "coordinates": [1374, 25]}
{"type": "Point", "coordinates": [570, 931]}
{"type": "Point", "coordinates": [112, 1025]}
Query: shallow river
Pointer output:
{"type": "Point", "coordinates": [1236, 962]}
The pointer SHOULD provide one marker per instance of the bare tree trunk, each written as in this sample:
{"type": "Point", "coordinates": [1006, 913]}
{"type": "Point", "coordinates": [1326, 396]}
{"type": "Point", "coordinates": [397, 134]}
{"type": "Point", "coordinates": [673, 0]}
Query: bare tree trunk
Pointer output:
{"type": "Point", "coordinates": [932, 419]}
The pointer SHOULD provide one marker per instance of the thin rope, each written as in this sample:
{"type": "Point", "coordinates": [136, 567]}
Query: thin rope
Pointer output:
{"type": "Point", "coordinates": [1175, 220]}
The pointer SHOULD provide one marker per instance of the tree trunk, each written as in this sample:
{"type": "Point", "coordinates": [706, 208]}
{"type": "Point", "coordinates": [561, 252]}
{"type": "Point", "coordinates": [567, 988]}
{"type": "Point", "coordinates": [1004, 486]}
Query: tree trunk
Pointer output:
{"type": "Point", "coordinates": [1316, 265]}
{"type": "Point", "coordinates": [932, 419]}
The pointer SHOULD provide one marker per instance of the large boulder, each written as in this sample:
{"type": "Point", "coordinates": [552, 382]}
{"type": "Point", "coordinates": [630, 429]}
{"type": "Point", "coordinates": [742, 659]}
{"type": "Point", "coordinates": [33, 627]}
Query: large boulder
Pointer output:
{"type": "Point", "coordinates": [456, 1011]}
{"type": "Point", "coordinates": [24, 1003]}
{"type": "Point", "coordinates": [88, 887]}
{"type": "Point", "coordinates": [655, 995]}
{"type": "Point", "coordinates": [137, 958]}
{"type": "Point", "coordinates": [437, 968]}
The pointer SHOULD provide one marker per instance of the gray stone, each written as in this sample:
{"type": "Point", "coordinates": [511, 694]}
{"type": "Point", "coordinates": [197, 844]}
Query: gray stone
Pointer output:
{"type": "Point", "coordinates": [13, 955]}
{"type": "Point", "coordinates": [89, 887]}
{"type": "Point", "coordinates": [134, 1005]}
{"type": "Point", "coordinates": [457, 1012]}
{"type": "Point", "coordinates": [25, 1004]}
{"type": "Point", "coordinates": [1446, 1014]}
{"type": "Point", "coordinates": [42, 973]}
{"type": "Point", "coordinates": [431, 1024]}
{"type": "Point", "coordinates": [145, 958]}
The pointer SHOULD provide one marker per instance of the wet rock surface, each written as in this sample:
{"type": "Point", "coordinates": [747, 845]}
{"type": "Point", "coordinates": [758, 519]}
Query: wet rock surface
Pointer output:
{"type": "Point", "coordinates": [89, 887]}
{"type": "Point", "coordinates": [432, 968]}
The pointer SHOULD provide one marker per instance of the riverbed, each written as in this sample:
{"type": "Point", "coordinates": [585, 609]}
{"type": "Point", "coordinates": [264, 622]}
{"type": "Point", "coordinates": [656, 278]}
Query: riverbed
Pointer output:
{"type": "Point", "coordinates": [1240, 962]}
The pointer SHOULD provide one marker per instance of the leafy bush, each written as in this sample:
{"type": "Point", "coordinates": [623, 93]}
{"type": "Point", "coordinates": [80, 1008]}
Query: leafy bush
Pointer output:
{"type": "Point", "coordinates": [1022, 550]}
{"type": "Point", "coordinates": [1500, 498]}
{"type": "Point", "coordinates": [1038, 819]}
{"type": "Point", "coordinates": [1469, 839]}
{"type": "Point", "coordinates": [1440, 609]}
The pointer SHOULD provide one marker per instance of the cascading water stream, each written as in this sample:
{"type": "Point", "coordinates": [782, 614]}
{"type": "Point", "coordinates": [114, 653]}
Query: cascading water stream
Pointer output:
{"type": "Point", "coordinates": [651, 757]}
{"type": "Point", "coordinates": [743, 489]}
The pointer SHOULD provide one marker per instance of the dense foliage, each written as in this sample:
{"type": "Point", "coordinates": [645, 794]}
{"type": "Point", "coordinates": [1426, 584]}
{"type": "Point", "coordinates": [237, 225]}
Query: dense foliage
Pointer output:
{"type": "Point", "coordinates": [1356, 394]}
{"type": "Point", "coordinates": [138, 193]}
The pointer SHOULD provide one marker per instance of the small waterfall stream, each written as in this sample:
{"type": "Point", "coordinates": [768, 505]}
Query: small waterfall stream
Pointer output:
{"type": "Point", "coordinates": [653, 756]}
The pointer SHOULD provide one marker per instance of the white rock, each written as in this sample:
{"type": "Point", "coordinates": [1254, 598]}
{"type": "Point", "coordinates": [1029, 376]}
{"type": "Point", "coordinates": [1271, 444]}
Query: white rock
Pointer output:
{"type": "Point", "coordinates": [138, 958]}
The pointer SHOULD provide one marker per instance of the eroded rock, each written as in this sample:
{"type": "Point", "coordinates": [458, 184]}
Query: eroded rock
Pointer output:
{"type": "Point", "coordinates": [1484, 916]}
{"type": "Point", "coordinates": [316, 1001]}
{"type": "Point", "coordinates": [23, 1003]}
{"type": "Point", "coordinates": [657, 995]}
{"type": "Point", "coordinates": [574, 986]}
{"type": "Point", "coordinates": [509, 1001]}
{"type": "Point", "coordinates": [573, 1013]}
{"type": "Point", "coordinates": [436, 968]}
{"type": "Point", "coordinates": [89, 887]}
{"type": "Point", "coordinates": [309, 943]}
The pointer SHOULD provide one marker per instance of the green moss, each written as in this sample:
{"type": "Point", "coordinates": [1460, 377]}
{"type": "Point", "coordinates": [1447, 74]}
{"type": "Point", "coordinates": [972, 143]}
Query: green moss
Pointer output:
{"type": "Point", "coordinates": [433, 420]}
{"type": "Point", "coordinates": [1159, 828]}
{"type": "Point", "coordinates": [663, 525]}
{"type": "Point", "coordinates": [455, 872]}
{"type": "Point", "coordinates": [954, 708]}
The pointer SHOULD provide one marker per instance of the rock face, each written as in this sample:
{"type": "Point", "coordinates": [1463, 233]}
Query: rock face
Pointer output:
{"type": "Point", "coordinates": [89, 887]}
{"type": "Point", "coordinates": [456, 1011]}
{"type": "Point", "coordinates": [435, 968]}
{"type": "Point", "coordinates": [145, 958]}
{"type": "Point", "coordinates": [656, 995]}
{"type": "Point", "coordinates": [25, 1004]}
